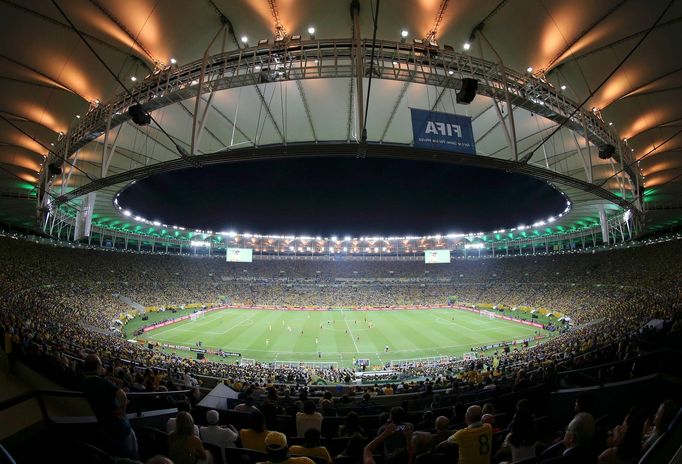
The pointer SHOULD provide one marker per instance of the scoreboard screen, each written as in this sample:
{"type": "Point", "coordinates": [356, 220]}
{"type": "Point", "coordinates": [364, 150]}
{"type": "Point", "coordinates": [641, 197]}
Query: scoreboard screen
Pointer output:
{"type": "Point", "coordinates": [436, 256]}
{"type": "Point", "coordinates": [239, 255]}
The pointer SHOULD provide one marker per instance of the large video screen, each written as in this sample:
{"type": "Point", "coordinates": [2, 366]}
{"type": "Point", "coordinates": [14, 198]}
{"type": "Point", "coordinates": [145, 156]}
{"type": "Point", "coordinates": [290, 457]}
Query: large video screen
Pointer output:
{"type": "Point", "coordinates": [240, 255]}
{"type": "Point", "coordinates": [436, 256]}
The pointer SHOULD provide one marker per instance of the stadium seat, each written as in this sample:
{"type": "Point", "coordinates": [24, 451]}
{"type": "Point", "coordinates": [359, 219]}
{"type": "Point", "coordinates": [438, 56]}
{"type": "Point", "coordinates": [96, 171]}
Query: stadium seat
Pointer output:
{"type": "Point", "coordinates": [244, 456]}
{"type": "Point", "coordinates": [151, 441]}
{"type": "Point", "coordinates": [216, 451]}
{"type": "Point", "coordinates": [85, 453]}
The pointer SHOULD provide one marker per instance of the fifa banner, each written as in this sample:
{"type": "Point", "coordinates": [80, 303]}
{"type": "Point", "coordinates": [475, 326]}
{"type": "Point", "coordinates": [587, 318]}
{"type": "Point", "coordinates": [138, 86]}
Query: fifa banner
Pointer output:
{"type": "Point", "coordinates": [436, 256]}
{"type": "Point", "coordinates": [442, 131]}
{"type": "Point", "coordinates": [239, 255]}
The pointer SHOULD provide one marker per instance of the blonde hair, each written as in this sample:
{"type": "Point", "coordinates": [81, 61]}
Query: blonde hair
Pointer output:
{"type": "Point", "coordinates": [184, 424]}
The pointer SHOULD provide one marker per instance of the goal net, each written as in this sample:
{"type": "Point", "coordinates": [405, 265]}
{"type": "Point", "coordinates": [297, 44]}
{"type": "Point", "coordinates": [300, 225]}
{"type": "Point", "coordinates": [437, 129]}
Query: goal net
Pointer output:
{"type": "Point", "coordinates": [488, 314]}
{"type": "Point", "coordinates": [197, 315]}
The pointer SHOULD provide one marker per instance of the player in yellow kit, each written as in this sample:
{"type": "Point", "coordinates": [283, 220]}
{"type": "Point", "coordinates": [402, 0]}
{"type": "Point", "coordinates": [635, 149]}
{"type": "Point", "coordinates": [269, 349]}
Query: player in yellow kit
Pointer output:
{"type": "Point", "coordinates": [476, 441]}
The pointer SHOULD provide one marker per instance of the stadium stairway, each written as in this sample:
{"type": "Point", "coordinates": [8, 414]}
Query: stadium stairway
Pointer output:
{"type": "Point", "coordinates": [131, 303]}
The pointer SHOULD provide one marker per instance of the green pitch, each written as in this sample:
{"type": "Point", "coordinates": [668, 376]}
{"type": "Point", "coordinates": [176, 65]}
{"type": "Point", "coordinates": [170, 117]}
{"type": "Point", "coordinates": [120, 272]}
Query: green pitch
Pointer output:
{"type": "Point", "coordinates": [340, 336]}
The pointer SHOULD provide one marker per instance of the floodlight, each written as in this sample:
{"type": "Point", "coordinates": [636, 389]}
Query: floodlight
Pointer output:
{"type": "Point", "coordinates": [245, 39]}
{"type": "Point", "coordinates": [529, 69]}
{"type": "Point", "coordinates": [404, 33]}
{"type": "Point", "coordinates": [466, 46]}
{"type": "Point", "coordinates": [311, 30]}
{"type": "Point", "coordinates": [173, 61]}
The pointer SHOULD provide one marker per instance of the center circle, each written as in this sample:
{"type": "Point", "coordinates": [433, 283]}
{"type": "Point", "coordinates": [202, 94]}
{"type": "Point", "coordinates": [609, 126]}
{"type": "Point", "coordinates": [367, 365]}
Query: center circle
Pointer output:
{"type": "Point", "coordinates": [337, 196]}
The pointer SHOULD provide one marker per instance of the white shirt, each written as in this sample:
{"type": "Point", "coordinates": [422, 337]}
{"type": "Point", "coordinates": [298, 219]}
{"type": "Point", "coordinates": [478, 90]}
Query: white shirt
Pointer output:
{"type": "Point", "coordinates": [220, 436]}
{"type": "Point", "coordinates": [308, 421]}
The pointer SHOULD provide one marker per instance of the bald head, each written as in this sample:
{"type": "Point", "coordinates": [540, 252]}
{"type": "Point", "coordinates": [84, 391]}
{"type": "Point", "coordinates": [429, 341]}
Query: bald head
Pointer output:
{"type": "Point", "coordinates": [92, 363]}
{"type": "Point", "coordinates": [159, 459]}
{"type": "Point", "coordinates": [473, 414]}
{"type": "Point", "coordinates": [442, 423]}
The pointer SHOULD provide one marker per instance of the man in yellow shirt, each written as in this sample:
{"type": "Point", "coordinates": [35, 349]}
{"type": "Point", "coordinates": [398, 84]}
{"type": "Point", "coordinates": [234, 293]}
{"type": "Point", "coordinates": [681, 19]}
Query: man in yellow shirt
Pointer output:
{"type": "Point", "coordinates": [278, 450]}
{"type": "Point", "coordinates": [476, 441]}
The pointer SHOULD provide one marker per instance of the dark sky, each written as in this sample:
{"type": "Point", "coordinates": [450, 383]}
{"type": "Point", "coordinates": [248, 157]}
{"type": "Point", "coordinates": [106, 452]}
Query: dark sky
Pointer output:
{"type": "Point", "coordinates": [342, 196]}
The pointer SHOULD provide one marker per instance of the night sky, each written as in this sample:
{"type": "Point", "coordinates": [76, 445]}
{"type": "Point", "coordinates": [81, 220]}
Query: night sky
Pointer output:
{"type": "Point", "coordinates": [342, 196]}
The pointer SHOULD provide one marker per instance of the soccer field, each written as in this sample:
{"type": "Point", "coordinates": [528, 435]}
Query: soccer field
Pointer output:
{"type": "Point", "coordinates": [341, 336]}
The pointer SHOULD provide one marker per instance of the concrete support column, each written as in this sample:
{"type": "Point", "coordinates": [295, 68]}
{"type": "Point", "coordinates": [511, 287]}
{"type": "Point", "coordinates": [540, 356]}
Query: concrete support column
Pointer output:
{"type": "Point", "coordinates": [603, 221]}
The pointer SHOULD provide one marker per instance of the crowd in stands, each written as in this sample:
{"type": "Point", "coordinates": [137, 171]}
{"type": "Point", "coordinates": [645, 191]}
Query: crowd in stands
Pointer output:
{"type": "Point", "coordinates": [50, 292]}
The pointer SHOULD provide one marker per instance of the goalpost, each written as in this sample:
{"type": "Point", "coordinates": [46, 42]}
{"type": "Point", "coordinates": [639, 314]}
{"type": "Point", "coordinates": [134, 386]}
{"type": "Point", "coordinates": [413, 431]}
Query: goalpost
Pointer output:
{"type": "Point", "coordinates": [197, 315]}
{"type": "Point", "coordinates": [490, 314]}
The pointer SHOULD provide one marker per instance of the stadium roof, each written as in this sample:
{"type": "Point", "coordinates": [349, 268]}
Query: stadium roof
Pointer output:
{"type": "Point", "coordinates": [617, 56]}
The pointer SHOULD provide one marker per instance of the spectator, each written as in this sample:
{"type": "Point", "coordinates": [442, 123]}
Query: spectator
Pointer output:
{"type": "Point", "coordinates": [351, 426]}
{"type": "Point", "coordinates": [246, 406]}
{"type": "Point", "coordinates": [397, 440]}
{"type": "Point", "coordinates": [427, 421]}
{"type": "Point", "coordinates": [223, 437]}
{"type": "Point", "coordinates": [311, 446]}
{"type": "Point", "coordinates": [183, 446]}
{"type": "Point", "coordinates": [398, 455]}
{"type": "Point", "coordinates": [109, 402]}
{"type": "Point", "coordinates": [664, 417]}
{"type": "Point", "coordinates": [521, 440]}
{"type": "Point", "coordinates": [278, 450]}
{"type": "Point", "coordinates": [159, 459]}
{"type": "Point", "coordinates": [422, 443]}
{"type": "Point", "coordinates": [272, 422]}
{"type": "Point", "coordinates": [254, 436]}
{"type": "Point", "coordinates": [183, 406]}
{"type": "Point", "coordinates": [442, 432]}
{"type": "Point", "coordinates": [308, 419]}
{"type": "Point", "coordinates": [625, 442]}
{"type": "Point", "coordinates": [475, 442]}
{"type": "Point", "coordinates": [577, 442]}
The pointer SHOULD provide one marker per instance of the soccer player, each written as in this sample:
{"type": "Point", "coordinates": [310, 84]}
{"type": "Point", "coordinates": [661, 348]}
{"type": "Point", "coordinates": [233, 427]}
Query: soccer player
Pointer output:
{"type": "Point", "coordinates": [267, 342]}
{"type": "Point", "coordinates": [270, 328]}
{"type": "Point", "coordinates": [386, 348]}
{"type": "Point", "coordinates": [317, 340]}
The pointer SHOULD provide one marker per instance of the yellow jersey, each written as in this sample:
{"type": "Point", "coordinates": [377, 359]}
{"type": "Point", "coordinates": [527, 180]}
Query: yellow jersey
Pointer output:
{"type": "Point", "coordinates": [475, 443]}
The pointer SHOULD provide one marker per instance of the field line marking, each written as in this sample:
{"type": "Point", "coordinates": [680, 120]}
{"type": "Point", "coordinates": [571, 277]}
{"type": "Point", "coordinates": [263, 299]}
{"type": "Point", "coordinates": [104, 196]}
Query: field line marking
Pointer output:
{"type": "Point", "coordinates": [352, 337]}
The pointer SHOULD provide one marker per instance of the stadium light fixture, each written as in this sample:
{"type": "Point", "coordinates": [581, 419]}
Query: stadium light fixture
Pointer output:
{"type": "Point", "coordinates": [127, 213]}
{"type": "Point", "coordinates": [466, 46]}
{"type": "Point", "coordinates": [245, 39]}
{"type": "Point", "coordinates": [311, 30]}
{"type": "Point", "coordinates": [529, 69]}
{"type": "Point", "coordinates": [563, 87]}
{"type": "Point", "coordinates": [173, 61]}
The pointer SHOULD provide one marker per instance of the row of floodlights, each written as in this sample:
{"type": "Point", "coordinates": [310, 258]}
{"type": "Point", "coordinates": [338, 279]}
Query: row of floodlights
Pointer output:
{"type": "Point", "coordinates": [335, 238]}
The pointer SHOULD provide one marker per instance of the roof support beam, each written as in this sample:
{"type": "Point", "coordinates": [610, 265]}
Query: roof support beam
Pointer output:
{"type": "Point", "coordinates": [301, 92]}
